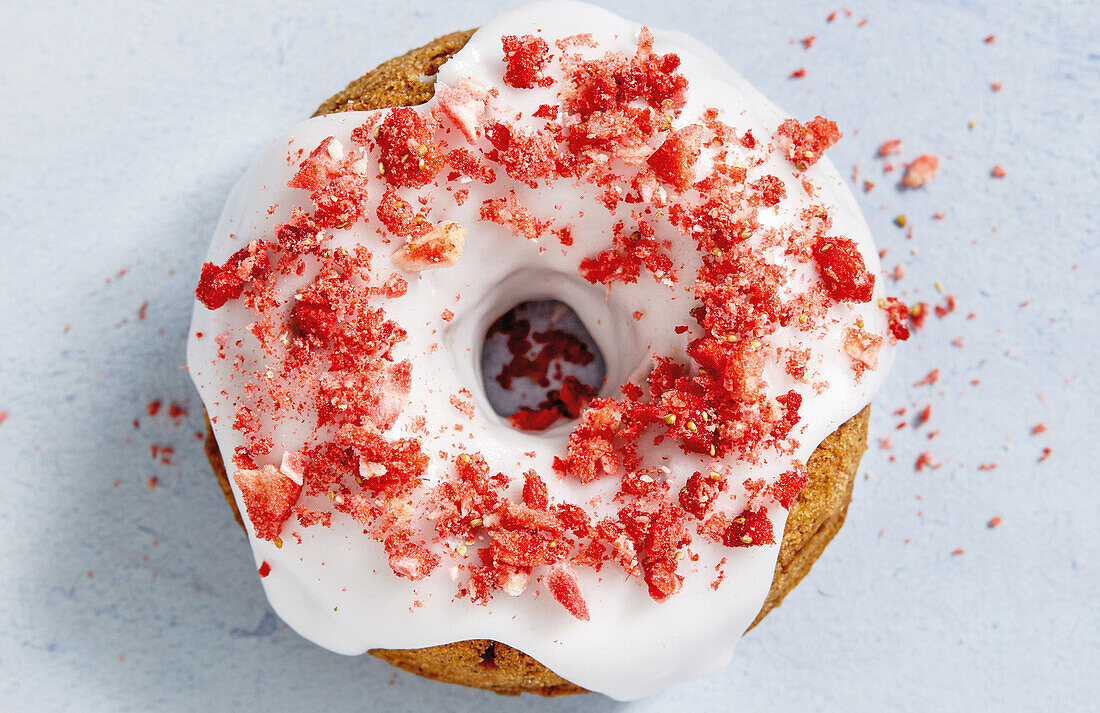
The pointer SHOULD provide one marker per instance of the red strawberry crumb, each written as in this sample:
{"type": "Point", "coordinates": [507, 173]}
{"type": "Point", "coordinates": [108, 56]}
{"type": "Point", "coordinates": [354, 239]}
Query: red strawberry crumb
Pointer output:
{"type": "Point", "coordinates": [930, 378]}
{"type": "Point", "coordinates": [1045, 454]}
{"type": "Point", "coordinates": [925, 414]}
{"type": "Point", "coordinates": [998, 172]}
{"type": "Point", "coordinates": [264, 570]}
{"type": "Point", "coordinates": [674, 161]}
{"type": "Point", "coordinates": [990, 39]}
{"type": "Point", "coordinates": [987, 466]}
{"type": "Point", "coordinates": [409, 153]}
{"type": "Point", "coordinates": [957, 552]}
{"type": "Point", "coordinates": [920, 171]}
{"type": "Point", "coordinates": [525, 59]}
{"type": "Point", "coordinates": [1038, 428]}
{"type": "Point", "coordinates": [924, 460]}
{"type": "Point", "coordinates": [4, 416]}
{"type": "Point", "coordinates": [750, 528]}
{"type": "Point", "coordinates": [562, 583]}
{"type": "Point", "coordinates": [153, 407]}
{"type": "Point", "coordinates": [798, 73]}
{"type": "Point", "coordinates": [842, 270]}
{"type": "Point", "coordinates": [890, 147]}
{"type": "Point", "coordinates": [268, 495]}
{"type": "Point", "coordinates": [804, 144]}
{"type": "Point", "coordinates": [993, 522]}
{"type": "Point", "coordinates": [996, 86]}
{"type": "Point", "coordinates": [808, 41]}
{"type": "Point", "coordinates": [153, 482]}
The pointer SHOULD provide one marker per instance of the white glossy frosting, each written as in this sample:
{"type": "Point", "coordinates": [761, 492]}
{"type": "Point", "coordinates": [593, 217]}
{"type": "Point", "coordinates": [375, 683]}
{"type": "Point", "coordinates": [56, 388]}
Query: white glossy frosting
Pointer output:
{"type": "Point", "coordinates": [335, 587]}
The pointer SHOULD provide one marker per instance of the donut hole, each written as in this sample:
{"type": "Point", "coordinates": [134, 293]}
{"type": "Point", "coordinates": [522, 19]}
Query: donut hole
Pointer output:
{"type": "Point", "coordinates": [540, 365]}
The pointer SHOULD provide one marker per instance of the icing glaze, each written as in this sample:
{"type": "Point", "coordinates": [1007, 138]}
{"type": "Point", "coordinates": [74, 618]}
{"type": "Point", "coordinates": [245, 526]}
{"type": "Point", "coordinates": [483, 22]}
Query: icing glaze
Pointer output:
{"type": "Point", "coordinates": [335, 587]}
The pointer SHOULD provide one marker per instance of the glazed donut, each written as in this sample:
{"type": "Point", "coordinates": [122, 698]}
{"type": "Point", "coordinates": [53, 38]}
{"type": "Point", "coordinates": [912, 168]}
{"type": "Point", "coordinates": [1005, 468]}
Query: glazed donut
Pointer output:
{"type": "Point", "coordinates": [718, 262]}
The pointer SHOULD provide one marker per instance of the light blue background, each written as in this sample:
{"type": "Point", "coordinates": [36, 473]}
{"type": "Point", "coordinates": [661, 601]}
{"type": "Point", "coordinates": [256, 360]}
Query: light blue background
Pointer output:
{"type": "Point", "coordinates": [123, 127]}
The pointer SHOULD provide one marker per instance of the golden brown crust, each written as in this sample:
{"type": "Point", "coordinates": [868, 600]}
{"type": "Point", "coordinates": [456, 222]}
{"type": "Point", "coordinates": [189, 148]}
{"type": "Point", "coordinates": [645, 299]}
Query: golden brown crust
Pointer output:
{"type": "Point", "coordinates": [813, 520]}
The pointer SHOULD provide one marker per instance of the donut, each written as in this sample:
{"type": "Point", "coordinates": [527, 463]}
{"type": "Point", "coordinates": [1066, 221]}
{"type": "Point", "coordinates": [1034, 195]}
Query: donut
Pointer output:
{"type": "Point", "coordinates": [716, 259]}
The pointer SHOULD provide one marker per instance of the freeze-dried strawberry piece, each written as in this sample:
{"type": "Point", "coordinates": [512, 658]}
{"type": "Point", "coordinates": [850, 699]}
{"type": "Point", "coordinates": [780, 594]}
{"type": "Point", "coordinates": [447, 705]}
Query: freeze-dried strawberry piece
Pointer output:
{"type": "Point", "coordinates": [920, 171]}
{"type": "Point", "coordinates": [535, 493]}
{"type": "Point", "coordinates": [268, 495]}
{"type": "Point", "coordinates": [219, 284]}
{"type": "Point", "coordinates": [527, 156]}
{"type": "Point", "coordinates": [749, 529]}
{"type": "Point", "coordinates": [771, 190]}
{"type": "Point", "coordinates": [512, 214]}
{"type": "Point", "coordinates": [630, 252]}
{"type": "Point", "coordinates": [890, 147]}
{"type": "Point", "coordinates": [665, 536]}
{"type": "Point", "coordinates": [525, 59]}
{"type": "Point", "coordinates": [804, 144]}
{"type": "Point", "coordinates": [897, 315]}
{"type": "Point", "coordinates": [863, 348]}
{"type": "Point", "coordinates": [674, 162]}
{"type": "Point", "coordinates": [464, 104]}
{"type": "Point", "coordinates": [301, 235]}
{"type": "Point", "coordinates": [398, 216]}
{"type": "Point", "coordinates": [376, 393]}
{"type": "Point", "coordinates": [409, 153]}
{"type": "Point", "coordinates": [439, 247]}
{"type": "Point", "coordinates": [614, 81]}
{"type": "Point", "coordinates": [562, 583]}
{"type": "Point", "coordinates": [842, 270]}
{"type": "Point", "coordinates": [465, 163]}
{"type": "Point", "coordinates": [590, 453]}
{"type": "Point", "coordinates": [525, 549]}
{"type": "Point", "coordinates": [321, 166]}
{"type": "Point", "coordinates": [787, 488]}
{"type": "Point", "coordinates": [700, 492]}
{"type": "Point", "coordinates": [408, 559]}
{"type": "Point", "coordinates": [308, 517]}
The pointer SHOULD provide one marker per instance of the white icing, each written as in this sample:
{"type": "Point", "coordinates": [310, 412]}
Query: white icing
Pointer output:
{"type": "Point", "coordinates": [336, 588]}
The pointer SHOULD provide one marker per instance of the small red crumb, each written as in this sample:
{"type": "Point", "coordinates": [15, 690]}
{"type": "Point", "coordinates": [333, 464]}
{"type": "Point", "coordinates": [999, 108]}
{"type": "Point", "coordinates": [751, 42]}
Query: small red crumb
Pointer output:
{"type": "Point", "coordinates": [265, 569]}
{"type": "Point", "coordinates": [1046, 454]}
{"type": "Point", "coordinates": [924, 460]}
{"type": "Point", "coordinates": [925, 414]}
{"type": "Point", "coordinates": [141, 310]}
{"type": "Point", "coordinates": [153, 482]}
{"type": "Point", "coordinates": [993, 522]}
{"type": "Point", "coordinates": [987, 466]}
{"type": "Point", "coordinates": [447, 315]}
{"type": "Point", "coordinates": [920, 171]}
{"type": "Point", "coordinates": [990, 39]}
{"type": "Point", "coordinates": [176, 411]}
{"type": "Point", "coordinates": [957, 342]}
{"type": "Point", "coordinates": [153, 407]}
{"type": "Point", "coordinates": [998, 172]}
{"type": "Point", "coordinates": [890, 147]}
{"type": "Point", "coordinates": [868, 186]}
{"type": "Point", "coordinates": [808, 41]}
{"type": "Point", "coordinates": [930, 379]}
{"type": "Point", "coordinates": [1038, 428]}
{"type": "Point", "coordinates": [957, 551]}
{"type": "Point", "coordinates": [996, 86]}
{"type": "Point", "coordinates": [798, 73]}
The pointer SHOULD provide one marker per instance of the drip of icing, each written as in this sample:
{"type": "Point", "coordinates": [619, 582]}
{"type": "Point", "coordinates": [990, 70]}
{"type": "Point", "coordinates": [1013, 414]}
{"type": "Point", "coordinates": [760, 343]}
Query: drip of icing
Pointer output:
{"type": "Point", "coordinates": [335, 587]}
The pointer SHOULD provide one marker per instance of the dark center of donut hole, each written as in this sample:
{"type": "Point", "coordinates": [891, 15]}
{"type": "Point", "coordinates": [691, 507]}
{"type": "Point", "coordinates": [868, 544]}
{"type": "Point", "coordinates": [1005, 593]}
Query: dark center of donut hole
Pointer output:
{"type": "Point", "coordinates": [540, 365]}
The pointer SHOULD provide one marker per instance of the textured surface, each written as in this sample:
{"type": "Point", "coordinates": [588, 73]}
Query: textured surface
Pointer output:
{"type": "Point", "coordinates": [126, 124]}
